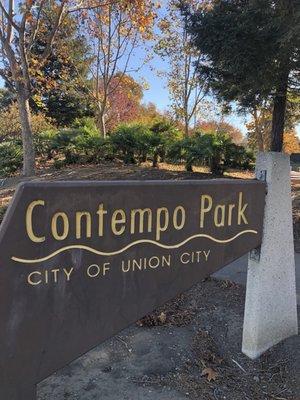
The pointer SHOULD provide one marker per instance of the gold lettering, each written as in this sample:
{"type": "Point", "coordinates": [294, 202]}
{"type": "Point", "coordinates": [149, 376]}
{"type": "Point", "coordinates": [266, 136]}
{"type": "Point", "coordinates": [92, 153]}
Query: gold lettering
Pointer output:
{"type": "Point", "coordinates": [93, 271]}
{"type": "Point", "coordinates": [206, 254]}
{"type": "Point", "coordinates": [46, 277]}
{"type": "Point", "coordinates": [118, 218]}
{"type": "Point", "coordinates": [137, 264]}
{"type": "Point", "coordinates": [55, 272]}
{"type": "Point", "coordinates": [230, 210]}
{"type": "Point", "coordinates": [125, 268]}
{"type": "Point", "coordinates": [65, 230]}
{"type": "Point", "coordinates": [106, 268]}
{"type": "Point", "coordinates": [159, 227]}
{"type": "Point", "coordinates": [68, 273]}
{"type": "Point", "coordinates": [88, 223]}
{"type": "Point", "coordinates": [176, 224]}
{"type": "Point", "coordinates": [183, 259]}
{"type": "Point", "coordinates": [219, 221]}
{"type": "Point", "coordinates": [166, 260]}
{"type": "Point", "coordinates": [30, 278]}
{"type": "Point", "coordinates": [205, 208]}
{"type": "Point", "coordinates": [141, 213]}
{"type": "Point", "coordinates": [241, 210]}
{"type": "Point", "coordinates": [154, 262]}
{"type": "Point", "coordinates": [29, 227]}
{"type": "Point", "coordinates": [101, 212]}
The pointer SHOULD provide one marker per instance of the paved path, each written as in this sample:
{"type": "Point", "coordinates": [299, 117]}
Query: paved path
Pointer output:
{"type": "Point", "coordinates": [237, 272]}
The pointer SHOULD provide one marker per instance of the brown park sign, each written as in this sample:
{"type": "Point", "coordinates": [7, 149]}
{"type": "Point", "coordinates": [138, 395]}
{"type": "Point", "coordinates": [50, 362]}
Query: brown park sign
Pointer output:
{"type": "Point", "coordinates": [80, 261]}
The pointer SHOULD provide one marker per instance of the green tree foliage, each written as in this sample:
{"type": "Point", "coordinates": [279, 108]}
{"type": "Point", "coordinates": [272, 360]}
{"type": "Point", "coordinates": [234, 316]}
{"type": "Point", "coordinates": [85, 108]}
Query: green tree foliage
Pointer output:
{"type": "Point", "coordinates": [59, 90]}
{"type": "Point", "coordinates": [11, 157]}
{"type": "Point", "coordinates": [251, 53]}
{"type": "Point", "coordinates": [174, 45]}
{"type": "Point", "coordinates": [7, 97]}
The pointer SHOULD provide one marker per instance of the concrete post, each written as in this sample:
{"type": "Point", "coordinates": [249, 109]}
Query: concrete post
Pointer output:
{"type": "Point", "coordinates": [271, 307]}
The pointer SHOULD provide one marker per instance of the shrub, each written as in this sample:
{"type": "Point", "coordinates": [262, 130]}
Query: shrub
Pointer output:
{"type": "Point", "coordinates": [44, 144]}
{"type": "Point", "coordinates": [65, 143]}
{"type": "Point", "coordinates": [93, 148]}
{"type": "Point", "coordinates": [131, 143]}
{"type": "Point", "coordinates": [86, 125]}
{"type": "Point", "coordinates": [215, 150]}
{"type": "Point", "coordinates": [11, 157]}
{"type": "Point", "coordinates": [183, 150]}
{"type": "Point", "coordinates": [163, 135]}
{"type": "Point", "coordinates": [239, 157]}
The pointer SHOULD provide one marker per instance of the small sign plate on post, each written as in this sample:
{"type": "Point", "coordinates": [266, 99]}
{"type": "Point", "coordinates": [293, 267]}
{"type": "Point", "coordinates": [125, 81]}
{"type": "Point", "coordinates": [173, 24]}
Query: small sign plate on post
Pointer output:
{"type": "Point", "coordinates": [80, 261]}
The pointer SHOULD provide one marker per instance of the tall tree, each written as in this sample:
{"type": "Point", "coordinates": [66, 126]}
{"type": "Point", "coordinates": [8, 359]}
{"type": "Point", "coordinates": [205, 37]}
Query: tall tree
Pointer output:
{"type": "Point", "coordinates": [221, 126]}
{"type": "Point", "coordinates": [251, 53]}
{"type": "Point", "coordinates": [115, 31]}
{"type": "Point", "coordinates": [22, 25]}
{"type": "Point", "coordinates": [174, 45]}
{"type": "Point", "coordinates": [260, 126]}
{"type": "Point", "coordinates": [124, 103]}
{"type": "Point", "coordinates": [59, 90]}
{"type": "Point", "coordinates": [291, 143]}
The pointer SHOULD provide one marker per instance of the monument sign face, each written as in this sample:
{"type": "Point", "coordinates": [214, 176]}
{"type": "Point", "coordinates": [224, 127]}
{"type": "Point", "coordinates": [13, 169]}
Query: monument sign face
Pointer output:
{"type": "Point", "coordinates": [80, 261]}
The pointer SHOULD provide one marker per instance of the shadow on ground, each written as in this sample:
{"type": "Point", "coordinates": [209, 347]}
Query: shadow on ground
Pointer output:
{"type": "Point", "coordinates": [189, 349]}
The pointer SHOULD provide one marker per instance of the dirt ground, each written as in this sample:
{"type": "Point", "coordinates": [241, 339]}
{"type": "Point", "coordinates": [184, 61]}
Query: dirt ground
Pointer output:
{"type": "Point", "coordinates": [109, 171]}
{"type": "Point", "coordinates": [190, 348]}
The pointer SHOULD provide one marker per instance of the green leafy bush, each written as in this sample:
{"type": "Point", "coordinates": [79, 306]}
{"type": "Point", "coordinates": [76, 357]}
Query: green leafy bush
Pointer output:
{"type": "Point", "coordinates": [93, 148]}
{"type": "Point", "coordinates": [11, 157]}
{"type": "Point", "coordinates": [215, 150]}
{"type": "Point", "coordinates": [239, 157]}
{"type": "Point", "coordinates": [163, 136]}
{"type": "Point", "coordinates": [65, 143]}
{"type": "Point", "coordinates": [45, 144]}
{"type": "Point", "coordinates": [86, 125]}
{"type": "Point", "coordinates": [131, 143]}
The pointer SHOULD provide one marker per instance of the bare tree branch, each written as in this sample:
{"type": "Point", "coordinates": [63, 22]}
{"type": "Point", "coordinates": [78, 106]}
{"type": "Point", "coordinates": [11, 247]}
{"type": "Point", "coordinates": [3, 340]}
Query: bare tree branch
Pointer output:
{"type": "Point", "coordinates": [9, 17]}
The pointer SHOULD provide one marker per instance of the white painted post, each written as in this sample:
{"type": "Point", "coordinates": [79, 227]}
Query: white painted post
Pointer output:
{"type": "Point", "coordinates": [271, 306]}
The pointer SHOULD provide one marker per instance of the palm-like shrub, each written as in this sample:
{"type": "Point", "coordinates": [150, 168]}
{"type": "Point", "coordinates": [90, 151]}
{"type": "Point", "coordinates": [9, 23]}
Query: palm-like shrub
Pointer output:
{"type": "Point", "coordinates": [11, 157]}
{"type": "Point", "coordinates": [163, 135]}
{"type": "Point", "coordinates": [92, 148]}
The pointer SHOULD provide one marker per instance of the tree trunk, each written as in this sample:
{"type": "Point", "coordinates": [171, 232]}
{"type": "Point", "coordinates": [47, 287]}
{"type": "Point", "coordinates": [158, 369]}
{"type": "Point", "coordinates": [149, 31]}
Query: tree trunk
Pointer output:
{"type": "Point", "coordinates": [186, 125]}
{"type": "Point", "coordinates": [278, 119]}
{"type": "Point", "coordinates": [155, 160]}
{"type": "Point", "coordinates": [258, 132]}
{"type": "Point", "coordinates": [27, 136]}
{"type": "Point", "coordinates": [101, 123]}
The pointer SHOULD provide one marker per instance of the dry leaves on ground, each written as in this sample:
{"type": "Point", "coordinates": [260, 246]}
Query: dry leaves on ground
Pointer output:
{"type": "Point", "coordinates": [210, 374]}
